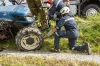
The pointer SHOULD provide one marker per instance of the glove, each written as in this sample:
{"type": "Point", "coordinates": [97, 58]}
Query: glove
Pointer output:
{"type": "Point", "coordinates": [45, 37]}
{"type": "Point", "coordinates": [49, 33]}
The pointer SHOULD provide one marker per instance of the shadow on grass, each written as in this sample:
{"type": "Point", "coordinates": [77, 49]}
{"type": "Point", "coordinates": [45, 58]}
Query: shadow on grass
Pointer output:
{"type": "Point", "coordinates": [8, 44]}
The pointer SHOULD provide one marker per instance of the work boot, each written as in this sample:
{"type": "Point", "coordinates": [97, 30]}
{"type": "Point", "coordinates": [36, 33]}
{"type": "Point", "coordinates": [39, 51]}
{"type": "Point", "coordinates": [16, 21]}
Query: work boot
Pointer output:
{"type": "Point", "coordinates": [56, 49]}
{"type": "Point", "coordinates": [87, 48]}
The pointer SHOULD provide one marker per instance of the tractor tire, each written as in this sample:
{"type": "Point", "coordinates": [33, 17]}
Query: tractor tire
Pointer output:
{"type": "Point", "coordinates": [91, 10]}
{"type": "Point", "coordinates": [32, 25]}
{"type": "Point", "coordinates": [29, 38]}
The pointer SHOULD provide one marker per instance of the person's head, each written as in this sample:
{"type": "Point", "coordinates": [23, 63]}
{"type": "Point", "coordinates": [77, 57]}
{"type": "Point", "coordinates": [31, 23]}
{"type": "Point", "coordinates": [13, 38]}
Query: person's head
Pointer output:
{"type": "Point", "coordinates": [64, 10]}
{"type": "Point", "coordinates": [49, 1]}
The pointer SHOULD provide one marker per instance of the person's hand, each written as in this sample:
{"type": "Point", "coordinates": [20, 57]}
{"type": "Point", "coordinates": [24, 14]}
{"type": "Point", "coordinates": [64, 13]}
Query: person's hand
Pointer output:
{"type": "Point", "coordinates": [45, 37]}
{"type": "Point", "coordinates": [54, 30]}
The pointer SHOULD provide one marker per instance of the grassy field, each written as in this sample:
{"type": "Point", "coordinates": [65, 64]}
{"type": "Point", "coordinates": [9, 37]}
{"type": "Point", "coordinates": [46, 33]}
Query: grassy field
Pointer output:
{"type": "Point", "coordinates": [89, 32]}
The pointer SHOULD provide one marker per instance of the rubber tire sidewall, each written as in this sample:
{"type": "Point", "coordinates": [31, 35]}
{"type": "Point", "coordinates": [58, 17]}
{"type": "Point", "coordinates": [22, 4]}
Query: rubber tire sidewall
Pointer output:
{"type": "Point", "coordinates": [96, 7]}
{"type": "Point", "coordinates": [20, 35]}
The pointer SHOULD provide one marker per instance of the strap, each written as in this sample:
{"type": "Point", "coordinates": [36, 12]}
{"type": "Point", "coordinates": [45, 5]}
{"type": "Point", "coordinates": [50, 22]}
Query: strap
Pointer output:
{"type": "Point", "coordinates": [57, 3]}
{"type": "Point", "coordinates": [69, 19]}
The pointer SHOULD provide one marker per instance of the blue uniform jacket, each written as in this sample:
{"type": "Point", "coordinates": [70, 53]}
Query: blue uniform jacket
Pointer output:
{"type": "Point", "coordinates": [68, 22]}
{"type": "Point", "coordinates": [56, 7]}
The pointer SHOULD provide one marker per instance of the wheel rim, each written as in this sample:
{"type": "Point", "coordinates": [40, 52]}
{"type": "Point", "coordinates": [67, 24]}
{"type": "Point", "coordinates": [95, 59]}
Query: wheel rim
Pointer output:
{"type": "Point", "coordinates": [30, 41]}
{"type": "Point", "coordinates": [91, 12]}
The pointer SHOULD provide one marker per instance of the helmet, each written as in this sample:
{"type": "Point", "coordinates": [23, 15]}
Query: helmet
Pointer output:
{"type": "Point", "coordinates": [64, 10]}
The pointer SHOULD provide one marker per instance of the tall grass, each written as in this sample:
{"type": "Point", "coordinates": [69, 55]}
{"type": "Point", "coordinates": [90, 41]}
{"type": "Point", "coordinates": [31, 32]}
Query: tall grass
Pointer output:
{"type": "Point", "coordinates": [90, 31]}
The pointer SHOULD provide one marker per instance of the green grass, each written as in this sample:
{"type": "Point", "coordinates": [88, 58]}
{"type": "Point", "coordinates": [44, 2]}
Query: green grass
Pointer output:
{"type": "Point", "coordinates": [89, 32]}
{"type": "Point", "coordinates": [8, 44]}
{"type": "Point", "coordinates": [35, 61]}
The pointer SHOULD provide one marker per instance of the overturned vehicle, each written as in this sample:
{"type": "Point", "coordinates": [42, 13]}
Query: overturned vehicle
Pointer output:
{"type": "Point", "coordinates": [17, 21]}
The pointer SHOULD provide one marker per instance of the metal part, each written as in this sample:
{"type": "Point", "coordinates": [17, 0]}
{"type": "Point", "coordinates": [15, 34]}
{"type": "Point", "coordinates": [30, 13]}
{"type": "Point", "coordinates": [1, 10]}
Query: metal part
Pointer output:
{"type": "Point", "coordinates": [10, 32]}
{"type": "Point", "coordinates": [29, 38]}
{"type": "Point", "coordinates": [7, 30]}
{"type": "Point", "coordinates": [3, 34]}
{"type": "Point", "coordinates": [79, 7]}
{"type": "Point", "coordinates": [30, 44]}
{"type": "Point", "coordinates": [43, 21]}
{"type": "Point", "coordinates": [91, 12]}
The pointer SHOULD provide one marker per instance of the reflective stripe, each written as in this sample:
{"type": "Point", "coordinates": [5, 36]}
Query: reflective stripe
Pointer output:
{"type": "Point", "coordinates": [69, 19]}
{"type": "Point", "coordinates": [57, 27]}
{"type": "Point", "coordinates": [56, 33]}
{"type": "Point", "coordinates": [51, 15]}
{"type": "Point", "coordinates": [57, 3]}
{"type": "Point", "coordinates": [73, 48]}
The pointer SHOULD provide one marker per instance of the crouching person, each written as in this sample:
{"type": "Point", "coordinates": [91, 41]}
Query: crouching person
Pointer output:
{"type": "Point", "coordinates": [71, 32]}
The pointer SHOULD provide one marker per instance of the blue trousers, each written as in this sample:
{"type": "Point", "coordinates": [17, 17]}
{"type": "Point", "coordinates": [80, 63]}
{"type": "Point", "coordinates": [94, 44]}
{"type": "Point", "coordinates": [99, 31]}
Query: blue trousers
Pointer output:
{"type": "Point", "coordinates": [72, 36]}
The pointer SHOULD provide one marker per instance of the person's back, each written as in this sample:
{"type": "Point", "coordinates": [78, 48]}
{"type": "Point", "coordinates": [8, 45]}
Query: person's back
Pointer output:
{"type": "Point", "coordinates": [70, 25]}
{"type": "Point", "coordinates": [57, 5]}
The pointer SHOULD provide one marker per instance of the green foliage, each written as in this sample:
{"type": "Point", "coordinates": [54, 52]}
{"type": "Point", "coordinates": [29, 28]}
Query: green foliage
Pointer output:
{"type": "Point", "coordinates": [90, 32]}
{"type": "Point", "coordinates": [8, 44]}
{"type": "Point", "coordinates": [94, 18]}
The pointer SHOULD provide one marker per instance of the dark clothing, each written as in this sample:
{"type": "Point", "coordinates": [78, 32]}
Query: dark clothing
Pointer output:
{"type": "Point", "coordinates": [71, 29]}
{"type": "Point", "coordinates": [68, 22]}
{"type": "Point", "coordinates": [56, 7]}
{"type": "Point", "coordinates": [71, 32]}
